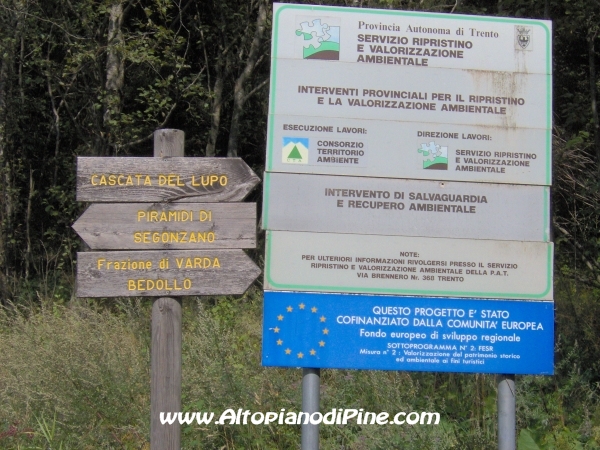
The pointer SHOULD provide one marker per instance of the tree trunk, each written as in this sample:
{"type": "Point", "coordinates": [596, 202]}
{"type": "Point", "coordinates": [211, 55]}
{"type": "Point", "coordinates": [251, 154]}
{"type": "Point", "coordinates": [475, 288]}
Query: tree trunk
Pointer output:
{"type": "Point", "coordinates": [27, 223]}
{"type": "Point", "coordinates": [592, 63]}
{"type": "Point", "coordinates": [239, 91]}
{"type": "Point", "coordinates": [223, 68]}
{"type": "Point", "coordinates": [115, 70]}
{"type": "Point", "coordinates": [6, 194]}
{"type": "Point", "coordinates": [56, 130]}
{"type": "Point", "coordinates": [3, 167]}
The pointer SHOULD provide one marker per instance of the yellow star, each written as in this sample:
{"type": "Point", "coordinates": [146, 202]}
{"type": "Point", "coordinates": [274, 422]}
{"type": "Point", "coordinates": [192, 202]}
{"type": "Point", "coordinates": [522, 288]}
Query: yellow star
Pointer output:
{"type": "Point", "coordinates": [322, 344]}
{"type": "Point", "coordinates": [279, 342]}
{"type": "Point", "coordinates": [276, 330]}
{"type": "Point", "coordinates": [290, 309]}
{"type": "Point", "coordinates": [300, 355]}
{"type": "Point", "coordinates": [279, 317]}
{"type": "Point", "coordinates": [288, 351]}
{"type": "Point", "coordinates": [325, 331]}
{"type": "Point", "coordinates": [301, 306]}
{"type": "Point", "coordinates": [313, 352]}
{"type": "Point", "coordinates": [322, 318]}
{"type": "Point", "coordinates": [314, 309]}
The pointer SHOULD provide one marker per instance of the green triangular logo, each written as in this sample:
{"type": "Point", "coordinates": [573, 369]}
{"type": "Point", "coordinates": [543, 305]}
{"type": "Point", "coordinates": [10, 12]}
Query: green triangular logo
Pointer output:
{"type": "Point", "coordinates": [295, 153]}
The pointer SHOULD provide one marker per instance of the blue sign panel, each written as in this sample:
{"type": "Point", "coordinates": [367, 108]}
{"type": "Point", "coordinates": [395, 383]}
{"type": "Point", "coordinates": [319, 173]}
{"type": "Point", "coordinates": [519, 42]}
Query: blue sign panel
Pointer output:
{"type": "Point", "coordinates": [434, 334]}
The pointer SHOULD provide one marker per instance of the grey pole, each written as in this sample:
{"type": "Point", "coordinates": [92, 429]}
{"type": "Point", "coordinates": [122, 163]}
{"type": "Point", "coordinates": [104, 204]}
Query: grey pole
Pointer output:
{"type": "Point", "coordinates": [507, 421]}
{"type": "Point", "coordinates": [165, 348]}
{"type": "Point", "coordinates": [311, 391]}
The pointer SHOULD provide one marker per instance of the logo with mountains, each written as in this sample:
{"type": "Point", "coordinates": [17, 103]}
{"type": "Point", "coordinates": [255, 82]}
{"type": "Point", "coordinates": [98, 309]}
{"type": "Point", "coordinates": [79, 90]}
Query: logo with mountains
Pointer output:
{"type": "Point", "coordinates": [435, 157]}
{"type": "Point", "coordinates": [295, 150]}
{"type": "Point", "coordinates": [320, 40]}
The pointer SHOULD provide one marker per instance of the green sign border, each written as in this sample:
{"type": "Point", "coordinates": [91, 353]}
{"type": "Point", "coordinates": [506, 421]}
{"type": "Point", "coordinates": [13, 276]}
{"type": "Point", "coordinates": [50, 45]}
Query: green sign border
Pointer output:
{"type": "Point", "coordinates": [275, 43]}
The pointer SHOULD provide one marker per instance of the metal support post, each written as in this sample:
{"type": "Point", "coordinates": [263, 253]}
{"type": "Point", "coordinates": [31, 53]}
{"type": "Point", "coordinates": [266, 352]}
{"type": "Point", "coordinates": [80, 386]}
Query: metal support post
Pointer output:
{"type": "Point", "coordinates": [507, 422]}
{"type": "Point", "coordinates": [311, 392]}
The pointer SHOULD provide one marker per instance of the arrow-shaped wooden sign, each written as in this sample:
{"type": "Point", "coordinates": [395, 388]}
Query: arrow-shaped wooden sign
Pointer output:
{"type": "Point", "coordinates": [147, 226]}
{"type": "Point", "coordinates": [129, 179]}
{"type": "Point", "coordinates": [162, 273]}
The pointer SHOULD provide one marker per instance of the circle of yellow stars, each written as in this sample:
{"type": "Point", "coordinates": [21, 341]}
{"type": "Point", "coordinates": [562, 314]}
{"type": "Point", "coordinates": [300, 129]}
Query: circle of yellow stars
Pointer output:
{"type": "Point", "coordinates": [312, 351]}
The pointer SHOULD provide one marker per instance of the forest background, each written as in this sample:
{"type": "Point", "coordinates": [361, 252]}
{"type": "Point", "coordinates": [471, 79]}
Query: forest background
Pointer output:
{"type": "Point", "coordinates": [96, 78]}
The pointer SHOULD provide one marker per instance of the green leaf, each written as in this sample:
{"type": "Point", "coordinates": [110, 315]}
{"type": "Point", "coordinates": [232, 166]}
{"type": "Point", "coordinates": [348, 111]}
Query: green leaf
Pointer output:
{"type": "Point", "coordinates": [526, 442]}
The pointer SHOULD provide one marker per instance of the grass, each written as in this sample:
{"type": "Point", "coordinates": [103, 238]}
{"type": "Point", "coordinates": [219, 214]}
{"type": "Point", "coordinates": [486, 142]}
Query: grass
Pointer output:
{"type": "Point", "coordinates": [76, 376]}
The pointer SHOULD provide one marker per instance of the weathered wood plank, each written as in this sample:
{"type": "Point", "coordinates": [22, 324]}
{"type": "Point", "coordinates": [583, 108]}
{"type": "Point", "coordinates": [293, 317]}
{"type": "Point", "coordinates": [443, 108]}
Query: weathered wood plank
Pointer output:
{"type": "Point", "coordinates": [147, 226]}
{"type": "Point", "coordinates": [128, 179]}
{"type": "Point", "coordinates": [165, 383]}
{"type": "Point", "coordinates": [165, 378]}
{"type": "Point", "coordinates": [158, 273]}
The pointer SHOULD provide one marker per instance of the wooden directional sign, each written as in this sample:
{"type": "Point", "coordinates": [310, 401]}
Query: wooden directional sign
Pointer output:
{"type": "Point", "coordinates": [336, 204]}
{"type": "Point", "coordinates": [163, 179]}
{"type": "Point", "coordinates": [146, 226]}
{"type": "Point", "coordinates": [327, 262]}
{"type": "Point", "coordinates": [164, 273]}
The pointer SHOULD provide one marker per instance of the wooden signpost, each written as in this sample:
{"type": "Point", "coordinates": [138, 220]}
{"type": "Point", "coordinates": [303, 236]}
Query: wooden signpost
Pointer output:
{"type": "Point", "coordinates": [184, 243]}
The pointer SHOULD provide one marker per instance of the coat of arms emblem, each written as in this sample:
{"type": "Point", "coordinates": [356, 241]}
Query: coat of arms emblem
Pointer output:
{"type": "Point", "coordinates": [523, 36]}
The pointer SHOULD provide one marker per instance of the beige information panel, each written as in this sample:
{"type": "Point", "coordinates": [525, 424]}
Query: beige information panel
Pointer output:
{"type": "Point", "coordinates": [452, 96]}
{"type": "Point", "coordinates": [394, 149]}
{"type": "Point", "coordinates": [410, 95]}
{"type": "Point", "coordinates": [384, 206]}
{"type": "Point", "coordinates": [326, 262]}
{"type": "Point", "coordinates": [390, 40]}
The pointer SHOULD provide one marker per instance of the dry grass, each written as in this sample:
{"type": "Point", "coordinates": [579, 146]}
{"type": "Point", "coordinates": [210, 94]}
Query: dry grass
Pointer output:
{"type": "Point", "coordinates": [84, 369]}
{"type": "Point", "coordinates": [77, 377]}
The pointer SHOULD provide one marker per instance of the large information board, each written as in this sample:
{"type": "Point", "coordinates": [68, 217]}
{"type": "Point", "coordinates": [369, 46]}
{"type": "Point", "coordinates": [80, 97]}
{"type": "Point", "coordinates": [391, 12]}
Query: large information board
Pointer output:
{"type": "Point", "coordinates": [408, 169]}
{"type": "Point", "coordinates": [410, 95]}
